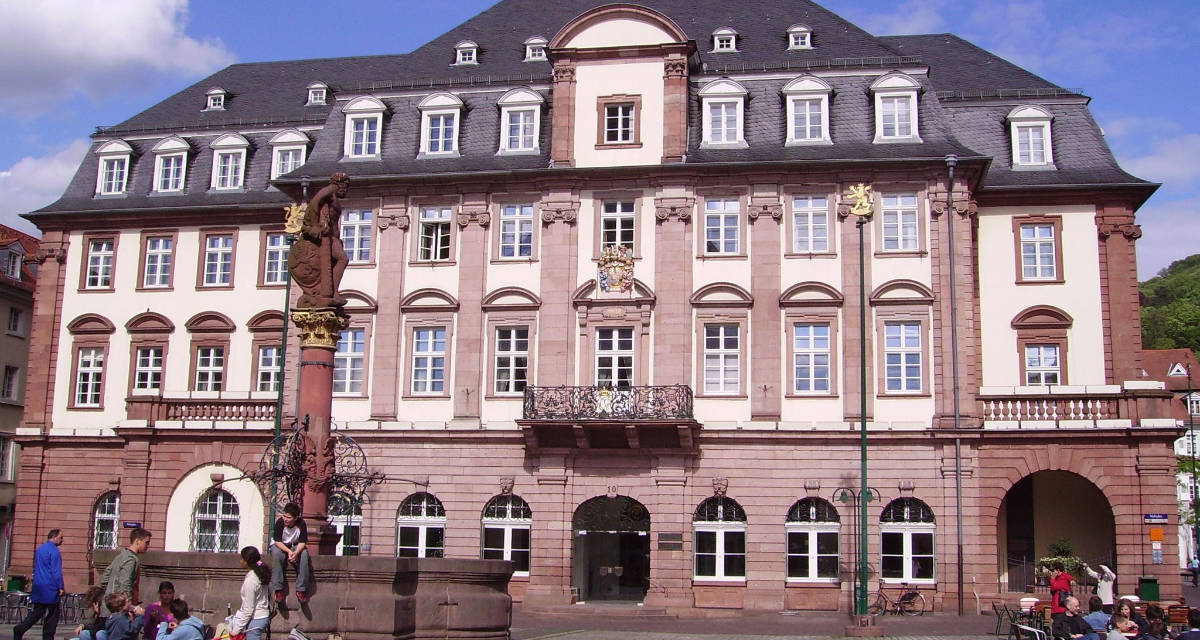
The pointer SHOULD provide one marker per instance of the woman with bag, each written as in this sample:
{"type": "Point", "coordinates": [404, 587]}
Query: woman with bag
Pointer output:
{"type": "Point", "coordinates": [1060, 588]}
{"type": "Point", "coordinates": [255, 613]}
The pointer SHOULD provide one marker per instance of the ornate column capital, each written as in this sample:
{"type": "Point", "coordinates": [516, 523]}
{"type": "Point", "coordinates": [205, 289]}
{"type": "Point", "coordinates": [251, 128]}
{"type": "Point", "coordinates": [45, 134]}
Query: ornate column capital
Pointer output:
{"type": "Point", "coordinates": [678, 208]}
{"type": "Point", "coordinates": [675, 68]}
{"type": "Point", "coordinates": [44, 253]}
{"type": "Point", "coordinates": [479, 216]}
{"type": "Point", "coordinates": [1128, 229]}
{"type": "Point", "coordinates": [387, 220]}
{"type": "Point", "coordinates": [773, 209]}
{"type": "Point", "coordinates": [320, 327]}
{"type": "Point", "coordinates": [566, 211]}
{"type": "Point", "coordinates": [564, 72]}
{"type": "Point", "coordinates": [964, 206]}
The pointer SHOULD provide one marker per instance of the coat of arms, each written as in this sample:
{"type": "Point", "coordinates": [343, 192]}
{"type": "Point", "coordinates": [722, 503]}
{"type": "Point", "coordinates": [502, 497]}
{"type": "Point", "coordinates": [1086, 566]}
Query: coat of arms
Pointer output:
{"type": "Point", "coordinates": [616, 269]}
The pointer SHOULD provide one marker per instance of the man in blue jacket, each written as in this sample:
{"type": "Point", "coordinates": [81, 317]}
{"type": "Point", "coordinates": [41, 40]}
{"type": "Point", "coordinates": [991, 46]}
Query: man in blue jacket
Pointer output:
{"type": "Point", "coordinates": [47, 588]}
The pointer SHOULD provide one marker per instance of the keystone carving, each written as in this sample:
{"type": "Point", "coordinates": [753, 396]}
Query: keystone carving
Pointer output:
{"type": "Point", "coordinates": [1129, 230]}
{"type": "Point", "coordinates": [388, 220]}
{"type": "Point", "coordinates": [720, 486]}
{"type": "Point", "coordinates": [678, 208]}
{"type": "Point", "coordinates": [506, 485]}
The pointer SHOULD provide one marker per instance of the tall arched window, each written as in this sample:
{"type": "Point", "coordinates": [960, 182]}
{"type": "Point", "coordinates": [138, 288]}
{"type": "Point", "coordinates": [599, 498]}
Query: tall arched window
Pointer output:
{"type": "Point", "coordinates": [106, 521]}
{"type": "Point", "coordinates": [719, 526]}
{"type": "Point", "coordinates": [506, 522]}
{"type": "Point", "coordinates": [216, 522]}
{"type": "Point", "coordinates": [907, 527]}
{"type": "Point", "coordinates": [812, 540]}
{"type": "Point", "coordinates": [421, 527]}
{"type": "Point", "coordinates": [345, 514]}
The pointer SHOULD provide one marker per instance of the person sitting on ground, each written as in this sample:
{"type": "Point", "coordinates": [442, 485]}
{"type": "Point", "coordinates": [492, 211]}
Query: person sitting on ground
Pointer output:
{"type": "Point", "coordinates": [1096, 618]}
{"type": "Point", "coordinates": [253, 617]}
{"type": "Point", "coordinates": [124, 620]}
{"type": "Point", "coordinates": [188, 627]}
{"type": "Point", "coordinates": [159, 612]}
{"type": "Point", "coordinates": [1157, 631]}
{"type": "Point", "coordinates": [1069, 624]}
{"type": "Point", "coordinates": [92, 627]}
{"type": "Point", "coordinates": [1193, 632]}
{"type": "Point", "coordinates": [1122, 628]}
{"type": "Point", "coordinates": [290, 546]}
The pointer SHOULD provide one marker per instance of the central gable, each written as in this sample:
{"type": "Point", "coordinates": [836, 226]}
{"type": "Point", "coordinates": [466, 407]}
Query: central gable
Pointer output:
{"type": "Point", "coordinates": [620, 25]}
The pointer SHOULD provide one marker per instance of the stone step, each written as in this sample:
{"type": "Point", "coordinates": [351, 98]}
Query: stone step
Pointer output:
{"type": "Point", "coordinates": [600, 610]}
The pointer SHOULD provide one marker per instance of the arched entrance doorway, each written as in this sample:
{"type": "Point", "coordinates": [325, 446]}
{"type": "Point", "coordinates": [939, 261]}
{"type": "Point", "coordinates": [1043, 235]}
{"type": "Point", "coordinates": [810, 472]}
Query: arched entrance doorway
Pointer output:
{"type": "Point", "coordinates": [611, 558]}
{"type": "Point", "coordinates": [1046, 507]}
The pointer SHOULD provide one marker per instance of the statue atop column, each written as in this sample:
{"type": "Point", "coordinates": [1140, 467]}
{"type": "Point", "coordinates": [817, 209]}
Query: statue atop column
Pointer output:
{"type": "Point", "coordinates": [317, 259]}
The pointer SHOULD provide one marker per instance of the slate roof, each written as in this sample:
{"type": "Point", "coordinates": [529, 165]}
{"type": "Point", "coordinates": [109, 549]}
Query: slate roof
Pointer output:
{"type": "Point", "coordinates": [272, 95]}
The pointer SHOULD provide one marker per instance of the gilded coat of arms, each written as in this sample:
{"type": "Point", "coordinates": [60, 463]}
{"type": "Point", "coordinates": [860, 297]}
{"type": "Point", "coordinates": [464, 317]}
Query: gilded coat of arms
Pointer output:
{"type": "Point", "coordinates": [616, 269]}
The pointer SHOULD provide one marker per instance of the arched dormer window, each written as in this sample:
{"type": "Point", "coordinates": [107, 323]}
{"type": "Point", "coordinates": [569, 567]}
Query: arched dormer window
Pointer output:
{"type": "Point", "coordinates": [113, 174]}
{"type": "Point", "coordinates": [799, 37]}
{"type": "Point", "coordinates": [229, 162]}
{"type": "Point", "coordinates": [723, 103]}
{"type": "Point", "coordinates": [318, 94]}
{"type": "Point", "coordinates": [466, 52]}
{"type": "Point", "coordinates": [807, 111]}
{"type": "Point", "coordinates": [364, 127]}
{"type": "Point", "coordinates": [535, 49]}
{"type": "Point", "coordinates": [725, 40]}
{"type": "Point", "coordinates": [215, 99]}
{"type": "Point", "coordinates": [719, 526]}
{"type": "Point", "coordinates": [170, 164]}
{"type": "Point", "coordinates": [440, 117]}
{"type": "Point", "coordinates": [289, 149]}
{"type": "Point", "coordinates": [896, 114]}
{"type": "Point", "coordinates": [520, 121]}
{"type": "Point", "coordinates": [812, 541]}
{"type": "Point", "coordinates": [1032, 147]}
{"type": "Point", "coordinates": [906, 528]}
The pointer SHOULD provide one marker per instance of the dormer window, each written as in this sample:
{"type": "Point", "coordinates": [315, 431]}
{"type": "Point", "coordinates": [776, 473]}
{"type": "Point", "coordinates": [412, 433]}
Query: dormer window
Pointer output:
{"type": "Point", "coordinates": [317, 93]}
{"type": "Point", "coordinates": [725, 40]}
{"type": "Point", "coordinates": [466, 52]}
{"type": "Point", "coordinates": [364, 126]}
{"type": "Point", "coordinates": [896, 116]}
{"type": "Point", "coordinates": [807, 111]}
{"type": "Point", "coordinates": [113, 174]}
{"type": "Point", "coordinates": [288, 150]}
{"type": "Point", "coordinates": [440, 115]}
{"type": "Point", "coordinates": [535, 49]}
{"type": "Point", "coordinates": [13, 257]}
{"type": "Point", "coordinates": [723, 104]}
{"type": "Point", "coordinates": [170, 164]}
{"type": "Point", "coordinates": [799, 37]}
{"type": "Point", "coordinates": [1031, 143]}
{"type": "Point", "coordinates": [520, 121]}
{"type": "Point", "coordinates": [229, 162]}
{"type": "Point", "coordinates": [216, 99]}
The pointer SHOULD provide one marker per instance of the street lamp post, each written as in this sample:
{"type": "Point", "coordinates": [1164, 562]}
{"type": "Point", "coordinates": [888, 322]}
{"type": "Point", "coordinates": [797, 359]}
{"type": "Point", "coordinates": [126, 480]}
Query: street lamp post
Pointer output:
{"type": "Point", "coordinates": [862, 210]}
{"type": "Point", "coordinates": [1187, 406]}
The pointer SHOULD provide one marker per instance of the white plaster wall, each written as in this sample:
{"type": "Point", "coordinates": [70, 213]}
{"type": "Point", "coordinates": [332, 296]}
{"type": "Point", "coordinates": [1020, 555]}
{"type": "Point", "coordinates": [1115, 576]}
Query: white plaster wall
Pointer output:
{"type": "Point", "coordinates": [706, 272]}
{"type": "Point", "coordinates": [811, 410]}
{"type": "Point", "coordinates": [1001, 298]}
{"type": "Point", "coordinates": [506, 411]}
{"type": "Point", "coordinates": [420, 276]}
{"type": "Point", "coordinates": [618, 32]}
{"type": "Point", "coordinates": [251, 506]}
{"type": "Point", "coordinates": [716, 410]}
{"type": "Point", "coordinates": [592, 81]}
{"type": "Point", "coordinates": [797, 270]}
{"type": "Point", "coordinates": [352, 408]}
{"type": "Point", "coordinates": [527, 275]}
{"type": "Point", "coordinates": [884, 270]}
{"type": "Point", "coordinates": [646, 224]}
{"type": "Point", "coordinates": [910, 411]}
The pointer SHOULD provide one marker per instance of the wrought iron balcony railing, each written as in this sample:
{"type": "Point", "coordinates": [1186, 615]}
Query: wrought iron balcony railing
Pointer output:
{"type": "Point", "coordinates": [668, 402]}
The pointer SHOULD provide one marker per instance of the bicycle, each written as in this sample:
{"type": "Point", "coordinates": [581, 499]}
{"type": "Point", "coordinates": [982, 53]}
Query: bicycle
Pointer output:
{"type": "Point", "coordinates": [910, 602]}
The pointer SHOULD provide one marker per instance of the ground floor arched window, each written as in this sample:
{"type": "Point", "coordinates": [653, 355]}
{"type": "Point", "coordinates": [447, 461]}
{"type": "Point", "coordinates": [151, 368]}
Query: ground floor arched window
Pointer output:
{"type": "Point", "coordinates": [106, 520]}
{"type": "Point", "coordinates": [421, 527]}
{"type": "Point", "coordinates": [217, 520]}
{"type": "Point", "coordinates": [719, 526]}
{"type": "Point", "coordinates": [506, 523]}
{"type": "Point", "coordinates": [812, 541]}
{"type": "Point", "coordinates": [345, 514]}
{"type": "Point", "coordinates": [907, 529]}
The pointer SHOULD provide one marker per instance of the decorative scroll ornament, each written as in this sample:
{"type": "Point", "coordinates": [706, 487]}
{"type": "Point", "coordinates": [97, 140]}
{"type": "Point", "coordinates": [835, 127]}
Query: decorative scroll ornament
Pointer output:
{"type": "Point", "coordinates": [289, 464]}
{"type": "Point", "coordinates": [678, 208]}
{"type": "Point", "coordinates": [293, 217]}
{"type": "Point", "coordinates": [616, 269]}
{"type": "Point", "coordinates": [963, 204]}
{"type": "Point", "coordinates": [480, 217]}
{"type": "Point", "coordinates": [388, 220]}
{"type": "Point", "coordinates": [775, 210]}
{"type": "Point", "coordinates": [615, 513]}
{"type": "Point", "coordinates": [320, 328]}
{"type": "Point", "coordinates": [1128, 229]}
{"type": "Point", "coordinates": [856, 202]}
{"type": "Point", "coordinates": [560, 212]}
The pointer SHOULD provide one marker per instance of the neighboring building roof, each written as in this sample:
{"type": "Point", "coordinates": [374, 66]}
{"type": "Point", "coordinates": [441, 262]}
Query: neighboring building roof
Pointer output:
{"type": "Point", "coordinates": [1160, 363]}
{"type": "Point", "coordinates": [29, 246]}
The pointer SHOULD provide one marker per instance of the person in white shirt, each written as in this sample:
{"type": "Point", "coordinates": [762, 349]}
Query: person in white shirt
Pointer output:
{"type": "Point", "coordinates": [255, 613]}
{"type": "Point", "coordinates": [1104, 584]}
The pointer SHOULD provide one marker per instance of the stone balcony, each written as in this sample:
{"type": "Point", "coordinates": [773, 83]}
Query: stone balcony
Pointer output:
{"type": "Point", "coordinates": [1132, 405]}
{"type": "Point", "coordinates": [221, 410]}
{"type": "Point", "coordinates": [648, 419]}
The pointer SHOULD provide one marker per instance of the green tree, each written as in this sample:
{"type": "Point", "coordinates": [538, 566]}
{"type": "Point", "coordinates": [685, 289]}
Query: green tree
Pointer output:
{"type": "Point", "coordinates": [1171, 307]}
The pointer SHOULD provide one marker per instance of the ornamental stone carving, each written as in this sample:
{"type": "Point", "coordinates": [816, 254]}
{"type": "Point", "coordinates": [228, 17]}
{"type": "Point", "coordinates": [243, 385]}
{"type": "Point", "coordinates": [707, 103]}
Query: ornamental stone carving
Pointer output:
{"type": "Point", "coordinates": [564, 73]}
{"type": "Point", "coordinates": [320, 328]}
{"type": "Point", "coordinates": [720, 486]}
{"type": "Point", "coordinates": [317, 258]}
{"type": "Point", "coordinates": [1128, 229]}
{"type": "Point", "coordinates": [678, 208]}
{"type": "Point", "coordinates": [388, 220]}
{"type": "Point", "coordinates": [857, 200]}
{"type": "Point", "coordinates": [964, 206]}
{"type": "Point", "coordinates": [616, 270]}
{"type": "Point", "coordinates": [560, 212]}
{"type": "Point", "coordinates": [479, 216]}
{"type": "Point", "coordinates": [506, 485]}
{"type": "Point", "coordinates": [774, 210]}
{"type": "Point", "coordinates": [43, 254]}
{"type": "Point", "coordinates": [675, 68]}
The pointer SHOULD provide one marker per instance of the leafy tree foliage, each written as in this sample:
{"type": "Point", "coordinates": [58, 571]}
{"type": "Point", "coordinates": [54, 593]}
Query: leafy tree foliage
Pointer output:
{"type": "Point", "coordinates": [1171, 307]}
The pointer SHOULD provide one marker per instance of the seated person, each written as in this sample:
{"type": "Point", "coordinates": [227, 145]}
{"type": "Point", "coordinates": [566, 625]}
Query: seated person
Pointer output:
{"type": "Point", "coordinates": [1070, 624]}
{"type": "Point", "coordinates": [1096, 618]}
{"type": "Point", "coordinates": [189, 627]}
{"type": "Point", "coordinates": [1122, 628]}
{"type": "Point", "coordinates": [92, 627]}
{"type": "Point", "coordinates": [290, 542]}
{"type": "Point", "coordinates": [1193, 632]}
{"type": "Point", "coordinates": [124, 620]}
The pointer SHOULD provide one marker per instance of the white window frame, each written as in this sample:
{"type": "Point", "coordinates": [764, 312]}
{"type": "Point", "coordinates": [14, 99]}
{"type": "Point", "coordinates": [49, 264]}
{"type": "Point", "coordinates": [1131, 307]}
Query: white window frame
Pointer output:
{"type": "Point", "coordinates": [617, 360]}
{"type": "Point", "coordinates": [100, 258]}
{"type": "Point", "coordinates": [350, 362]}
{"type": "Point", "coordinates": [270, 368]}
{"type": "Point", "coordinates": [466, 53]}
{"type": "Point", "coordinates": [812, 531]}
{"type": "Point", "coordinates": [725, 40]}
{"type": "Point", "coordinates": [278, 152]}
{"type": "Point", "coordinates": [173, 182]}
{"type": "Point", "coordinates": [535, 49]}
{"type": "Point", "coordinates": [907, 530]}
{"type": "Point", "coordinates": [802, 90]}
{"type": "Point", "coordinates": [625, 130]}
{"type": "Point", "coordinates": [1037, 368]}
{"type": "Point", "coordinates": [16, 321]}
{"type": "Point", "coordinates": [89, 377]}
{"type": "Point", "coordinates": [210, 368]}
{"type": "Point", "coordinates": [897, 341]}
{"type": "Point", "coordinates": [508, 525]}
{"type": "Point", "coordinates": [228, 169]}
{"type": "Point", "coordinates": [722, 219]}
{"type": "Point", "coordinates": [807, 353]}
{"type": "Point", "coordinates": [720, 529]}
{"type": "Point", "coordinates": [221, 516]}
{"type": "Point", "coordinates": [435, 229]}
{"type": "Point", "coordinates": [1043, 250]}
{"type": "Point", "coordinates": [897, 87]}
{"type": "Point", "coordinates": [730, 98]}
{"type": "Point", "coordinates": [215, 100]}
{"type": "Point", "coordinates": [318, 94]}
{"type": "Point", "coordinates": [113, 153]}
{"type": "Point", "coordinates": [901, 219]}
{"type": "Point", "coordinates": [516, 226]}
{"type": "Point", "coordinates": [618, 219]}
{"type": "Point", "coordinates": [436, 121]}
{"type": "Point", "coordinates": [107, 512]}
{"type": "Point", "coordinates": [148, 368]}
{"type": "Point", "coordinates": [810, 225]}
{"type": "Point", "coordinates": [510, 361]}
{"type": "Point", "coordinates": [722, 359]}
{"type": "Point", "coordinates": [1027, 119]}
{"type": "Point", "coordinates": [799, 37]}
{"type": "Point", "coordinates": [423, 524]}
{"type": "Point", "coordinates": [12, 265]}
{"type": "Point", "coordinates": [344, 522]}
{"type": "Point", "coordinates": [357, 235]}
{"type": "Point", "coordinates": [519, 103]}
{"type": "Point", "coordinates": [275, 260]}
{"type": "Point", "coordinates": [160, 259]}
{"type": "Point", "coordinates": [1194, 404]}
{"type": "Point", "coordinates": [364, 109]}
{"type": "Point", "coordinates": [426, 357]}
{"type": "Point", "coordinates": [218, 260]}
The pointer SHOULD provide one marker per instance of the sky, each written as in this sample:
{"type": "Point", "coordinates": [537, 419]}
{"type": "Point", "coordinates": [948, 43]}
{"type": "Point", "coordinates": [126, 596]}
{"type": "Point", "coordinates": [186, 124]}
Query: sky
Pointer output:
{"type": "Point", "coordinates": [69, 66]}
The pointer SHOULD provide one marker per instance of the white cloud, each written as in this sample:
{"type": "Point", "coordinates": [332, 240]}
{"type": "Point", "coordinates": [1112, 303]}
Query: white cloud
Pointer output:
{"type": "Point", "coordinates": [1174, 162]}
{"type": "Point", "coordinates": [33, 183]}
{"type": "Point", "coordinates": [1169, 230]}
{"type": "Point", "coordinates": [55, 49]}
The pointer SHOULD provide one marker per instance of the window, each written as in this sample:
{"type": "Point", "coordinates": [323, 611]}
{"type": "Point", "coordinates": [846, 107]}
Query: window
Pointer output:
{"type": "Point", "coordinates": [1038, 252]}
{"type": "Point", "coordinates": [902, 357]}
{"type": "Point", "coordinates": [100, 263]}
{"type": "Point", "coordinates": [16, 321]}
{"type": "Point", "coordinates": [466, 52]}
{"type": "Point", "coordinates": [512, 359]}
{"type": "Point", "coordinates": [440, 132]}
{"type": "Point", "coordinates": [619, 120]}
{"type": "Point", "coordinates": [169, 173]}
{"type": "Point", "coordinates": [516, 231]}
{"type": "Point", "coordinates": [345, 514]}
{"type": "Point", "coordinates": [896, 108]}
{"type": "Point", "coordinates": [1194, 404]}
{"type": "Point", "coordinates": [112, 176]}
{"type": "Point", "coordinates": [364, 123]}
{"type": "Point", "coordinates": [348, 362]}
{"type": "Point", "coordinates": [900, 228]}
{"type": "Point", "coordinates": [105, 521]}
{"type": "Point", "coordinates": [435, 234]}
{"type": "Point", "coordinates": [216, 523]}
{"type": "Point", "coordinates": [89, 376]}
{"type": "Point", "coordinates": [812, 541]}
{"type": "Point", "coordinates": [811, 358]}
{"type": "Point", "coordinates": [12, 266]}
{"type": "Point", "coordinates": [535, 49]}
{"type": "Point", "coordinates": [614, 357]}
{"type": "Point", "coordinates": [506, 523]}
{"type": "Point", "coordinates": [429, 361]}
{"type": "Point", "coordinates": [210, 368]}
{"type": "Point", "coordinates": [286, 160]}
{"type": "Point", "coordinates": [275, 260]}
{"type": "Point", "coordinates": [807, 119]}
{"type": "Point", "coordinates": [907, 528]}
{"type": "Point", "coordinates": [799, 37]}
{"type": "Point", "coordinates": [719, 526]}
{"type": "Point", "coordinates": [897, 117]}
{"type": "Point", "coordinates": [724, 40]}
{"type": "Point", "coordinates": [617, 225]}
{"type": "Point", "coordinates": [9, 385]}
{"type": "Point", "coordinates": [722, 221]}
{"type": "Point", "coordinates": [270, 368]}
{"type": "Point", "coordinates": [722, 359]}
{"type": "Point", "coordinates": [159, 253]}
{"type": "Point", "coordinates": [807, 111]}
{"type": "Point", "coordinates": [228, 170]}
{"type": "Point", "coordinates": [216, 100]}
{"type": "Point", "coordinates": [810, 224]}
{"type": "Point", "coordinates": [1041, 364]}
{"type": "Point", "coordinates": [1031, 144]}
{"type": "Point", "coordinates": [318, 94]}
{"type": "Point", "coordinates": [421, 527]}
{"type": "Point", "coordinates": [218, 260]}
{"type": "Point", "coordinates": [148, 368]}
{"type": "Point", "coordinates": [520, 125]}
{"type": "Point", "coordinates": [724, 122]}
{"type": "Point", "coordinates": [356, 234]}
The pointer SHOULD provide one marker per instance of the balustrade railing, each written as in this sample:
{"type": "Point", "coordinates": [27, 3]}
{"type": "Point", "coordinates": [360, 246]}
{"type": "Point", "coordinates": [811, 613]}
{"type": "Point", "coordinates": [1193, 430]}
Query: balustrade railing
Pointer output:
{"type": "Point", "coordinates": [154, 408]}
{"type": "Point", "coordinates": [1049, 408]}
{"type": "Point", "coordinates": [1052, 407]}
{"type": "Point", "coordinates": [668, 402]}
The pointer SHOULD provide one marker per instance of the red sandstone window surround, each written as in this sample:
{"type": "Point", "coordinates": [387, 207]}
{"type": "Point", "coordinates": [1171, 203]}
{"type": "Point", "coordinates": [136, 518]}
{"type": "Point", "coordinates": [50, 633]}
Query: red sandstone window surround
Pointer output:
{"type": "Point", "coordinates": [156, 263]}
{"type": "Point", "coordinates": [812, 227]}
{"type": "Point", "coordinates": [98, 271]}
{"type": "Point", "coordinates": [1042, 345]}
{"type": "Point", "coordinates": [89, 361]}
{"type": "Point", "coordinates": [435, 232]}
{"type": "Point", "coordinates": [722, 353]}
{"type": "Point", "coordinates": [217, 258]}
{"type": "Point", "coordinates": [1038, 246]}
{"type": "Point", "coordinates": [902, 345]}
{"type": "Point", "coordinates": [273, 248]}
{"type": "Point", "coordinates": [515, 230]}
{"type": "Point", "coordinates": [266, 371]}
{"type": "Point", "coordinates": [619, 122]}
{"type": "Point", "coordinates": [723, 227]}
{"type": "Point", "coordinates": [617, 222]}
